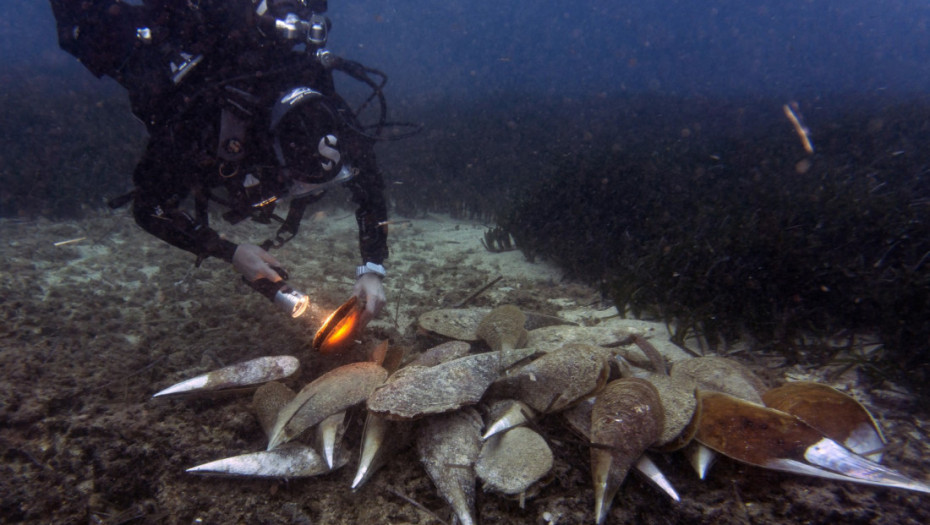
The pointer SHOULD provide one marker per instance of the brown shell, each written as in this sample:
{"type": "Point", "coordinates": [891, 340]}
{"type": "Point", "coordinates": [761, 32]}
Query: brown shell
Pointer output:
{"type": "Point", "coordinates": [721, 374]}
{"type": "Point", "coordinates": [626, 420]}
{"type": "Point", "coordinates": [750, 432]}
{"type": "Point", "coordinates": [835, 414]}
{"type": "Point", "coordinates": [503, 328]}
{"type": "Point", "coordinates": [247, 374]}
{"type": "Point", "coordinates": [416, 391]}
{"type": "Point", "coordinates": [556, 380]}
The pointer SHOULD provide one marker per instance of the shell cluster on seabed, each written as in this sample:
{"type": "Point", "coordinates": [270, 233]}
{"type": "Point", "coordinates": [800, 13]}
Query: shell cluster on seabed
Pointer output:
{"type": "Point", "coordinates": [703, 406]}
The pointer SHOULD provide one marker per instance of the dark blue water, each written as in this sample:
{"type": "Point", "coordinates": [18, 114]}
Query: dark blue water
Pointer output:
{"type": "Point", "coordinates": [477, 48]}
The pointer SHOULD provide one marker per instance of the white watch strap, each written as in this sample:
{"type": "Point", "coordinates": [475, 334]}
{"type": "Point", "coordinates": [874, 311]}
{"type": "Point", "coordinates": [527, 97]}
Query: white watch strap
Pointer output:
{"type": "Point", "coordinates": [369, 267]}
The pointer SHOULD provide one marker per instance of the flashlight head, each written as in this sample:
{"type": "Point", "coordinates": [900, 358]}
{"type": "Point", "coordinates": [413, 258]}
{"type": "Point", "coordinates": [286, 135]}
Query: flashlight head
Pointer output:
{"type": "Point", "coordinates": [291, 301]}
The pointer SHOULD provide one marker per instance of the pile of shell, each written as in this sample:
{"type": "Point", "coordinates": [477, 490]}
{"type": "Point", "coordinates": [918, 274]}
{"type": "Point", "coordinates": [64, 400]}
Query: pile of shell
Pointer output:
{"type": "Point", "coordinates": [612, 386]}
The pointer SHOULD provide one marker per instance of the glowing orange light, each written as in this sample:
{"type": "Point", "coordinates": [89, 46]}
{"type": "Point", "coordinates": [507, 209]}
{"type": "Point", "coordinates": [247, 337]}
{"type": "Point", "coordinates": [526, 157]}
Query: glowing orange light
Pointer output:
{"type": "Point", "coordinates": [343, 330]}
{"type": "Point", "coordinates": [338, 329]}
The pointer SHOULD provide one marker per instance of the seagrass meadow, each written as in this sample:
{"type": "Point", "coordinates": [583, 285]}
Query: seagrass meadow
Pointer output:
{"type": "Point", "coordinates": [710, 215]}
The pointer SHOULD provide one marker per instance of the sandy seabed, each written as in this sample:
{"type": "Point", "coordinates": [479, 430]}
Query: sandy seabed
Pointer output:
{"type": "Point", "coordinates": [91, 329]}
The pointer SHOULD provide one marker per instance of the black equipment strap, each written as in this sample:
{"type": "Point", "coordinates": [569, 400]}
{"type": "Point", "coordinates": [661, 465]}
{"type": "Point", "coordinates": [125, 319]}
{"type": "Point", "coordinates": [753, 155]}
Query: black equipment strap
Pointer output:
{"type": "Point", "coordinates": [291, 223]}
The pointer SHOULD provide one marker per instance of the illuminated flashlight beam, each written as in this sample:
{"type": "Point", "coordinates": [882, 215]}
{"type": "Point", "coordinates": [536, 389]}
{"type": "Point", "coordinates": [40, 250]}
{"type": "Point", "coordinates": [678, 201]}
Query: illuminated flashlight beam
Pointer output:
{"type": "Point", "coordinates": [794, 115]}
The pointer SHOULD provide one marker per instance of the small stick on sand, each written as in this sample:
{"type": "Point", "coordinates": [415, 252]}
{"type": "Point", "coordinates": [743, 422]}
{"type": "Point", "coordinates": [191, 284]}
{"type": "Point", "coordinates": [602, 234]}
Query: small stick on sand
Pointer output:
{"type": "Point", "coordinates": [481, 290]}
{"type": "Point", "coordinates": [69, 241]}
{"type": "Point", "coordinates": [416, 504]}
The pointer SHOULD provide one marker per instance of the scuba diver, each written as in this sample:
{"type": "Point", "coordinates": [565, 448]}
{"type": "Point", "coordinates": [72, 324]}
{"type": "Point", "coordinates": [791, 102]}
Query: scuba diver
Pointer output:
{"type": "Point", "coordinates": [239, 102]}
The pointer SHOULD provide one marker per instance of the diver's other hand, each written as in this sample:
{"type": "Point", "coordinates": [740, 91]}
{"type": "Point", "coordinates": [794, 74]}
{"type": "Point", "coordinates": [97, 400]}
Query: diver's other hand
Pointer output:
{"type": "Point", "coordinates": [255, 263]}
{"type": "Point", "coordinates": [368, 288]}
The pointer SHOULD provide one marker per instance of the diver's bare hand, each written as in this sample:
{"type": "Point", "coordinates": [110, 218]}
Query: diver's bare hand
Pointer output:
{"type": "Point", "coordinates": [368, 288]}
{"type": "Point", "coordinates": [255, 263]}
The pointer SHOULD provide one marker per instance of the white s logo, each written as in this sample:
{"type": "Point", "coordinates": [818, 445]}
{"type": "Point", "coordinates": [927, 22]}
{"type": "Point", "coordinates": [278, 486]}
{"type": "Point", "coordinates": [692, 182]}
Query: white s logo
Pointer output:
{"type": "Point", "coordinates": [327, 149]}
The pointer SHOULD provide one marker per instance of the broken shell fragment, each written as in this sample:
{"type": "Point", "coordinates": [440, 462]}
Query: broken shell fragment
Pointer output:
{"type": "Point", "coordinates": [245, 374]}
{"type": "Point", "coordinates": [625, 421]}
{"type": "Point", "coordinates": [268, 401]}
{"type": "Point", "coordinates": [448, 446]}
{"type": "Point", "coordinates": [776, 440]}
{"type": "Point", "coordinates": [329, 394]}
{"type": "Point", "coordinates": [503, 328]}
{"type": "Point", "coordinates": [339, 329]}
{"type": "Point", "coordinates": [290, 461]}
{"type": "Point", "coordinates": [835, 414]}
{"type": "Point", "coordinates": [557, 379]}
{"type": "Point", "coordinates": [416, 391]}
{"type": "Point", "coordinates": [511, 462]}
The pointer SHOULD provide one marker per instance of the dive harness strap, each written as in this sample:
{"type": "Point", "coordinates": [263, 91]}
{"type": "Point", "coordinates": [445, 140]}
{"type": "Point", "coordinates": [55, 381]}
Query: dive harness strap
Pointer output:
{"type": "Point", "coordinates": [289, 225]}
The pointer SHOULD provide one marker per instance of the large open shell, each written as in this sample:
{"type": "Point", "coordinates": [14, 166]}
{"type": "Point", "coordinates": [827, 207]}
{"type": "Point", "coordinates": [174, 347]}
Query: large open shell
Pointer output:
{"type": "Point", "coordinates": [416, 391]}
{"type": "Point", "coordinates": [331, 393]}
{"type": "Point", "coordinates": [773, 439]}
{"type": "Point", "coordinates": [626, 420]}
{"type": "Point", "coordinates": [290, 461]}
{"type": "Point", "coordinates": [835, 414]}
{"type": "Point", "coordinates": [556, 380]}
{"type": "Point", "coordinates": [246, 374]}
{"type": "Point", "coordinates": [448, 446]}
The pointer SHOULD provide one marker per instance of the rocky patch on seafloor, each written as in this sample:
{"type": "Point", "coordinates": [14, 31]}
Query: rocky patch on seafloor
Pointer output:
{"type": "Point", "coordinates": [91, 329]}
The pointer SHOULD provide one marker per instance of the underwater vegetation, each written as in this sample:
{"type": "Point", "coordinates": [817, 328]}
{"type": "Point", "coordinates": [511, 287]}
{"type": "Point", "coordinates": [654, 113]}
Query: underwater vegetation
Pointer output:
{"type": "Point", "coordinates": [705, 213]}
{"type": "Point", "coordinates": [729, 235]}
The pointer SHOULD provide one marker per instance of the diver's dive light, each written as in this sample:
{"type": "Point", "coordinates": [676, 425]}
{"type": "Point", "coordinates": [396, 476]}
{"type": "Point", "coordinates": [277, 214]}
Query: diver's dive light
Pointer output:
{"type": "Point", "coordinates": [281, 294]}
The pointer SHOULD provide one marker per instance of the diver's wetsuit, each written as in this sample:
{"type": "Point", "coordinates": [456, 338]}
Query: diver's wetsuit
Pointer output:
{"type": "Point", "coordinates": [234, 64]}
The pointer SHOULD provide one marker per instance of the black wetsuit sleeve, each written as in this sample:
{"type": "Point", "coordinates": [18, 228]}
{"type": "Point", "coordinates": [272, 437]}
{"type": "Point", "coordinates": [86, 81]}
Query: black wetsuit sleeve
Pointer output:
{"type": "Point", "coordinates": [368, 193]}
{"type": "Point", "coordinates": [160, 190]}
{"type": "Point", "coordinates": [178, 229]}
